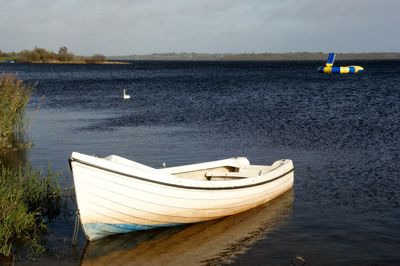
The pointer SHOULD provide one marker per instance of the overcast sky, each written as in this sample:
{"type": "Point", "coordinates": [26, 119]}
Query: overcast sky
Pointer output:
{"type": "Point", "coordinates": [125, 27]}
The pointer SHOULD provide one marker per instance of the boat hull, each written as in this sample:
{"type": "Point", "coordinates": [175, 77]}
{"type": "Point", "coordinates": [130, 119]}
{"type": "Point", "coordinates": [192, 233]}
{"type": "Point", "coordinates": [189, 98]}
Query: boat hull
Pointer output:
{"type": "Point", "coordinates": [113, 202]}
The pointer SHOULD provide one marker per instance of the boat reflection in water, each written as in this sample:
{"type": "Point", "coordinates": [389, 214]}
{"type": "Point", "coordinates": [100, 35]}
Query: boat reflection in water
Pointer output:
{"type": "Point", "coordinates": [212, 242]}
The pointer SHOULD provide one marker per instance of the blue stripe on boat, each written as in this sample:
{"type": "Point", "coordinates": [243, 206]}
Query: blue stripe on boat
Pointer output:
{"type": "Point", "coordinates": [98, 230]}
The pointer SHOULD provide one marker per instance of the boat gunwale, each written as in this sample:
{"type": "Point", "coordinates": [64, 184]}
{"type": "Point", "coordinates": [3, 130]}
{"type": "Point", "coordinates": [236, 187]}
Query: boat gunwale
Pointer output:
{"type": "Point", "coordinates": [71, 159]}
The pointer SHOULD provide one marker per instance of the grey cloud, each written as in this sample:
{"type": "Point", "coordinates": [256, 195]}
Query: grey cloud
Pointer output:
{"type": "Point", "coordinates": [147, 26]}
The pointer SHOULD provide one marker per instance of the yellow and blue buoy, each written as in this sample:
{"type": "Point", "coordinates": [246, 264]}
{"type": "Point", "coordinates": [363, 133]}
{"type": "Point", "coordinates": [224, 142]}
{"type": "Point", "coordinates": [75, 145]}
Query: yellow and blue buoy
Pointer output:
{"type": "Point", "coordinates": [329, 68]}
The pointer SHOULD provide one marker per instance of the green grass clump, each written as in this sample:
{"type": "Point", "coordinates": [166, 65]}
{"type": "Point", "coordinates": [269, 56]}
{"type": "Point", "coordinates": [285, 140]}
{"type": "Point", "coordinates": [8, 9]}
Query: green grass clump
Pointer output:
{"type": "Point", "coordinates": [7, 58]}
{"type": "Point", "coordinates": [14, 96]}
{"type": "Point", "coordinates": [27, 199]}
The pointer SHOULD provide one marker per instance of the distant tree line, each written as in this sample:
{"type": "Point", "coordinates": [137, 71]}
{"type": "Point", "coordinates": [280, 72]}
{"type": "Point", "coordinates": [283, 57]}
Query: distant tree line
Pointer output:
{"type": "Point", "coordinates": [3, 54]}
{"type": "Point", "coordinates": [97, 58]}
{"type": "Point", "coordinates": [294, 56]}
{"type": "Point", "coordinates": [41, 55]}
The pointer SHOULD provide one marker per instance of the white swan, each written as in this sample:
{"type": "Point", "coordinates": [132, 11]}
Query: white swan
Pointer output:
{"type": "Point", "coordinates": [126, 96]}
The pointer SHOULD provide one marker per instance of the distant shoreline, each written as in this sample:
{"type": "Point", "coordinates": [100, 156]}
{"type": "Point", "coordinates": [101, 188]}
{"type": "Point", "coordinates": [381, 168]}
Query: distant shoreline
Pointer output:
{"type": "Point", "coordinates": [43, 56]}
{"type": "Point", "coordinates": [300, 56]}
{"type": "Point", "coordinates": [15, 61]}
{"type": "Point", "coordinates": [81, 63]}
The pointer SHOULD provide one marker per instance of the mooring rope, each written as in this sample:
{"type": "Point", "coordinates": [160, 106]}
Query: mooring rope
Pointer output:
{"type": "Point", "coordinates": [76, 229]}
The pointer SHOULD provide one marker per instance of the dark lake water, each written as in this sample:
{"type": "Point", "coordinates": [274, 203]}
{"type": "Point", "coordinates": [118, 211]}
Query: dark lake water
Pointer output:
{"type": "Point", "coordinates": [341, 131]}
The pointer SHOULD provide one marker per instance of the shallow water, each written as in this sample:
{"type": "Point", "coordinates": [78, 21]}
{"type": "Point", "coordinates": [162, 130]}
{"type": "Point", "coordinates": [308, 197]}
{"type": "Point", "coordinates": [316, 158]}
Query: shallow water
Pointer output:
{"type": "Point", "coordinates": [341, 131]}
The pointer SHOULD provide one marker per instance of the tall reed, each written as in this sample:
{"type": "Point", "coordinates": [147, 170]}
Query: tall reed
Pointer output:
{"type": "Point", "coordinates": [27, 199]}
{"type": "Point", "coordinates": [14, 96]}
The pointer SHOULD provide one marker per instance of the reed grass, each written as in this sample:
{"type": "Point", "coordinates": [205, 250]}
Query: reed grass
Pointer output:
{"type": "Point", "coordinates": [14, 97]}
{"type": "Point", "coordinates": [27, 199]}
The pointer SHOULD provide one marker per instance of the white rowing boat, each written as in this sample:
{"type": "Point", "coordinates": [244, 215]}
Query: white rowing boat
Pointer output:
{"type": "Point", "coordinates": [116, 195]}
{"type": "Point", "coordinates": [208, 243]}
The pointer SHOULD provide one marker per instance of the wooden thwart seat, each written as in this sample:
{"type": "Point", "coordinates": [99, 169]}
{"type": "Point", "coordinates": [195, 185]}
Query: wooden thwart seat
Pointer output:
{"type": "Point", "coordinates": [232, 175]}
